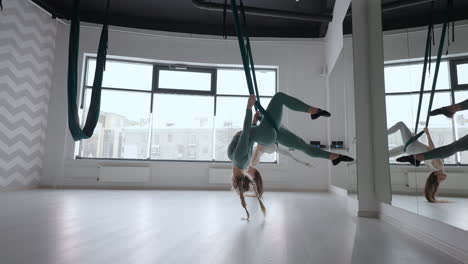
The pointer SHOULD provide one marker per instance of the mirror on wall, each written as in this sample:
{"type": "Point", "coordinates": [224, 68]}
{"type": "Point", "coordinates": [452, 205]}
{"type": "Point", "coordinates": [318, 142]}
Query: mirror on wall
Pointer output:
{"type": "Point", "coordinates": [401, 74]}
{"type": "Point", "coordinates": [342, 126]}
{"type": "Point", "coordinates": [438, 188]}
{"type": "Point", "coordinates": [447, 187]}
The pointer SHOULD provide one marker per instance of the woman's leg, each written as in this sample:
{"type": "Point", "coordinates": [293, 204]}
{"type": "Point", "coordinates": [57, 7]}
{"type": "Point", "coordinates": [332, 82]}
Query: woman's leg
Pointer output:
{"type": "Point", "coordinates": [445, 151]}
{"type": "Point", "coordinates": [397, 151]}
{"type": "Point", "coordinates": [463, 105]}
{"type": "Point", "coordinates": [405, 133]}
{"type": "Point", "coordinates": [415, 147]}
{"type": "Point", "coordinates": [286, 152]}
{"type": "Point", "coordinates": [290, 140]}
{"type": "Point", "coordinates": [275, 108]}
{"type": "Point", "coordinates": [404, 130]}
{"type": "Point", "coordinates": [450, 110]}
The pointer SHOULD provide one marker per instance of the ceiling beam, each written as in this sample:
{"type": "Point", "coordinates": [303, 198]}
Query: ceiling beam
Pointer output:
{"type": "Point", "coordinates": [323, 29]}
{"type": "Point", "coordinates": [403, 4]}
{"type": "Point", "coordinates": [399, 4]}
{"type": "Point", "coordinates": [266, 12]}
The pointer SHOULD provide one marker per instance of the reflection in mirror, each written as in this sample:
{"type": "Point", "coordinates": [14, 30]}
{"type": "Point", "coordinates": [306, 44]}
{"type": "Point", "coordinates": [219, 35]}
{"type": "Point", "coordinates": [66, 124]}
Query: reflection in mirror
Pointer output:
{"type": "Point", "coordinates": [342, 125]}
{"type": "Point", "coordinates": [401, 86]}
{"type": "Point", "coordinates": [438, 188]}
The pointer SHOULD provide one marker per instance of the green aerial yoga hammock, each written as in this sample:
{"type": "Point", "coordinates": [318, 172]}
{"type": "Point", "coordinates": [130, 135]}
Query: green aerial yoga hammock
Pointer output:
{"type": "Point", "coordinates": [95, 105]}
{"type": "Point", "coordinates": [247, 60]}
{"type": "Point", "coordinates": [434, 83]}
{"type": "Point", "coordinates": [427, 59]}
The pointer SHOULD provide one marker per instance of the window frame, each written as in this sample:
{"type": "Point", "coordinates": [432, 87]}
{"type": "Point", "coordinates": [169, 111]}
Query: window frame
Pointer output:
{"type": "Point", "coordinates": [158, 66]}
{"type": "Point", "coordinates": [454, 87]}
{"type": "Point", "coordinates": [171, 67]}
{"type": "Point", "coordinates": [454, 73]}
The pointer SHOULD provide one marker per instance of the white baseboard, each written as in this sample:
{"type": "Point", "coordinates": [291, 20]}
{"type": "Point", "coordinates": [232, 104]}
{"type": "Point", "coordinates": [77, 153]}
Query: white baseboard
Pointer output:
{"type": "Point", "coordinates": [425, 230]}
{"type": "Point", "coordinates": [19, 188]}
{"type": "Point", "coordinates": [368, 214]}
{"type": "Point", "coordinates": [353, 206]}
{"type": "Point", "coordinates": [337, 190]}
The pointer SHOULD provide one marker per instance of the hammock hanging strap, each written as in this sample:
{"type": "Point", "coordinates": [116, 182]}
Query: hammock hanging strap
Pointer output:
{"type": "Point", "coordinates": [247, 60]}
{"type": "Point", "coordinates": [434, 83]}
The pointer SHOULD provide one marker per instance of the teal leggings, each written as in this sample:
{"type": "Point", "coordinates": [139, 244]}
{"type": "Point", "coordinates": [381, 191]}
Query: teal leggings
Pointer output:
{"type": "Point", "coordinates": [267, 134]}
{"type": "Point", "coordinates": [447, 150]}
{"type": "Point", "coordinates": [450, 149]}
{"type": "Point", "coordinates": [464, 105]}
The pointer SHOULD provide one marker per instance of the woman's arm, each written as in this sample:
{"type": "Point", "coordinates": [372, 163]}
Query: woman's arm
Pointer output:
{"type": "Point", "coordinates": [256, 118]}
{"type": "Point", "coordinates": [244, 140]}
{"type": "Point", "coordinates": [437, 163]}
{"type": "Point", "coordinates": [429, 139]}
{"type": "Point", "coordinates": [248, 113]}
{"type": "Point", "coordinates": [286, 152]}
{"type": "Point", "coordinates": [257, 155]}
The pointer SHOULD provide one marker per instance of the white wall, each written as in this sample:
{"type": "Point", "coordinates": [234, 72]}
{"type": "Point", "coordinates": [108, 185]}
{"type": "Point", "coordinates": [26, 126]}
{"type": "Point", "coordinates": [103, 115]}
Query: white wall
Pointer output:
{"type": "Point", "coordinates": [300, 63]}
{"type": "Point", "coordinates": [337, 105]}
{"type": "Point", "coordinates": [27, 37]}
{"type": "Point", "coordinates": [342, 125]}
{"type": "Point", "coordinates": [402, 45]}
{"type": "Point", "coordinates": [398, 46]}
{"type": "Point", "coordinates": [334, 37]}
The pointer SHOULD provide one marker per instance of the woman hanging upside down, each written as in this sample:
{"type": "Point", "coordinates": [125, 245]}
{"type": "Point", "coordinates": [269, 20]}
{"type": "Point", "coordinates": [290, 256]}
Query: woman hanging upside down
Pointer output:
{"type": "Point", "coordinates": [436, 165]}
{"type": "Point", "coordinates": [440, 152]}
{"type": "Point", "coordinates": [240, 148]}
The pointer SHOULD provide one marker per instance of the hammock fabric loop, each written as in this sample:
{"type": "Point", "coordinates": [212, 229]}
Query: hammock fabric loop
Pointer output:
{"type": "Point", "coordinates": [95, 104]}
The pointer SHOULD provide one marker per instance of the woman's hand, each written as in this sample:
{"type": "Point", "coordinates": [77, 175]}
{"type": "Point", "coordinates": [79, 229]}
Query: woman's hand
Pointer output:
{"type": "Point", "coordinates": [251, 101]}
{"type": "Point", "coordinates": [426, 130]}
{"type": "Point", "coordinates": [256, 117]}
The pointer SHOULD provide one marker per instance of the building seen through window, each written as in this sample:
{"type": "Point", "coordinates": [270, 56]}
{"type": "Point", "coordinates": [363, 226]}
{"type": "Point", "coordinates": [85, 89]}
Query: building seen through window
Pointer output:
{"type": "Point", "coordinates": [402, 85]}
{"type": "Point", "coordinates": [190, 117]}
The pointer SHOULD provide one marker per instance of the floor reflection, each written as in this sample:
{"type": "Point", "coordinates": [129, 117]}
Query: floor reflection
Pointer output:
{"type": "Point", "coordinates": [454, 211]}
{"type": "Point", "coordinates": [383, 244]}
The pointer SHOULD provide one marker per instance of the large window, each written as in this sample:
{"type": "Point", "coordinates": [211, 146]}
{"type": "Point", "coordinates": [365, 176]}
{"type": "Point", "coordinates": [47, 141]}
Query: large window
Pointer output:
{"type": "Point", "coordinates": [402, 86]}
{"type": "Point", "coordinates": [169, 112]}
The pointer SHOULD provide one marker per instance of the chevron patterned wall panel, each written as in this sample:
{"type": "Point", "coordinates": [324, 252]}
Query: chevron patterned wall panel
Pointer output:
{"type": "Point", "coordinates": [27, 43]}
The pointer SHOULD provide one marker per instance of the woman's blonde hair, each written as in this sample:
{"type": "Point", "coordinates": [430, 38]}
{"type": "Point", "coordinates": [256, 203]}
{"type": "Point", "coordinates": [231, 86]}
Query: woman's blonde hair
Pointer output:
{"type": "Point", "coordinates": [430, 189]}
{"type": "Point", "coordinates": [243, 184]}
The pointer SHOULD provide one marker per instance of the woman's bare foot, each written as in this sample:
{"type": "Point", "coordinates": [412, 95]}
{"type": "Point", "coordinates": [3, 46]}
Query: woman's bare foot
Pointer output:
{"type": "Point", "coordinates": [333, 156]}
{"type": "Point", "coordinates": [312, 110]}
{"type": "Point", "coordinates": [447, 111]}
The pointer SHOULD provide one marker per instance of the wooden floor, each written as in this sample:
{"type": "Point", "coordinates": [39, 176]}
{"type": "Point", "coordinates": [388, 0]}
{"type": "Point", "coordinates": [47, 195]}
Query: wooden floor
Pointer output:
{"type": "Point", "coordinates": [87, 227]}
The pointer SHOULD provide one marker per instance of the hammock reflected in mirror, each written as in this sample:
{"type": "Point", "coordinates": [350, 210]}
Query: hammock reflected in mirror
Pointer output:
{"type": "Point", "coordinates": [420, 79]}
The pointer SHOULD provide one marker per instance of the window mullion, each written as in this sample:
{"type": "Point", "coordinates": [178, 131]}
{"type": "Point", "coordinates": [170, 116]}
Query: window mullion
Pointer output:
{"type": "Point", "coordinates": [115, 141]}
{"type": "Point", "coordinates": [213, 140]}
